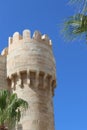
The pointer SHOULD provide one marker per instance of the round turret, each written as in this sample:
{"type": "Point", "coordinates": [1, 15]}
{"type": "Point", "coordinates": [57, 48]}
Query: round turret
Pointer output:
{"type": "Point", "coordinates": [31, 70]}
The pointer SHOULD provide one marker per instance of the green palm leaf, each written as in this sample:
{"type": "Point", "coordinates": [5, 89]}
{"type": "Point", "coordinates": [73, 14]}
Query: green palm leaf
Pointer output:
{"type": "Point", "coordinates": [11, 108]}
{"type": "Point", "coordinates": [75, 27]}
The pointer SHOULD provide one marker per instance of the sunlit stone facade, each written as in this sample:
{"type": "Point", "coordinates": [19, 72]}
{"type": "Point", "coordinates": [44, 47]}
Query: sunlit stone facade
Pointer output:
{"type": "Point", "coordinates": [27, 67]}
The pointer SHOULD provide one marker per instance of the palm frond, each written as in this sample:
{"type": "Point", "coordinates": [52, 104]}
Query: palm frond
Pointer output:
{"type": "Point", "coordinates": [75, 27]}
{"type": "Point", "coordinates": [81, 5]}
{"type": "Point", "coordinates": [3, 99]}
{"type": "Point", "coordinates": [15, 107]}
{"type": "Point", "coordinates": [10, 108]}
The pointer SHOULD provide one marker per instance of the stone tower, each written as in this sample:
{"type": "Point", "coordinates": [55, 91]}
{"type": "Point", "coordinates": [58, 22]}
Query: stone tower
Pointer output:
{"type": "Point", "coordinates": [30, 72]}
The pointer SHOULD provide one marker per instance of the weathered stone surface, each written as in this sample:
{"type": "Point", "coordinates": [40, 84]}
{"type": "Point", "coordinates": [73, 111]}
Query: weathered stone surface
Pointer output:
{"type": "Point", "coordinates": [3, 76]}
{"type": "Point", "coordinates": [29, 67]}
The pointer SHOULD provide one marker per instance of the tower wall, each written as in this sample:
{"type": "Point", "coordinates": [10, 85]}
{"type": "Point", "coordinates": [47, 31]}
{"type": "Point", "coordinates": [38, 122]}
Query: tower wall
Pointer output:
{"type": "Point", "coordinates": [3, 76]}
{"type": "Point", "coordinates": [31, 71]}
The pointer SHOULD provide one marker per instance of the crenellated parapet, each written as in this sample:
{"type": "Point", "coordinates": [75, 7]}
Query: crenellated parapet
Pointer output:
{"type": "Point", "coordinates": [4, 52]}
{"type": "Point", "coordinates": [26, 37]}
{"type": "Point", "coordinates": [27, 67]}
{"type": "Point", "coordinates": [30, 54]}
{"type": "Point", "coordinates": [31, 60]}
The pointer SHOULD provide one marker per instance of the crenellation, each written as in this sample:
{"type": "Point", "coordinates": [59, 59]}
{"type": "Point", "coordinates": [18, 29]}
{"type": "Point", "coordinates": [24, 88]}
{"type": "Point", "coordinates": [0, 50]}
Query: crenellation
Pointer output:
{"type": "Point", "coordinates": [27, 67]}
{"type": "Point", "coordinates": [37, 36]}
{"type": "Point", "coordinates": [26, 38]}
{"type": "Point", "coordinates": [45, 37]}
{"type": "Point", "coordinates": [26, 35]}
{"type": "Point", "coordinates": [46, 40]}
{"type": "Point", "coordinates": [16, 37]}
{"type": "Point", "coordinates": [10, 40]}
{"type": "Point", "coordinates": [50, 42]}
{"type": "Point", "coordinates": [4, 52]}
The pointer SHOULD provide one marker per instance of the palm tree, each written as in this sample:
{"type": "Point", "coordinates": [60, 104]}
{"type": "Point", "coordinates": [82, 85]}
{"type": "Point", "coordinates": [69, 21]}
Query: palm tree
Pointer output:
{"type": "Point", "coordinates": [76, 25]}
{"type": "Point", "coordinates": [10, 109]}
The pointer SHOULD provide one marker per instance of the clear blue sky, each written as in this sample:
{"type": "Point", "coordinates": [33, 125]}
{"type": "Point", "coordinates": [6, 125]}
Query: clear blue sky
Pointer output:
{"type": "Point", "coordinates": [70, 100]}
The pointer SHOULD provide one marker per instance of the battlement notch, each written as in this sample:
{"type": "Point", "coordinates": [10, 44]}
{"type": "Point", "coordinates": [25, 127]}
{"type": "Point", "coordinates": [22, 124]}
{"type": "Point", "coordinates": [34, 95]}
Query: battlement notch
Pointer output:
{"type": "Point", "coordinates": [26, 37]}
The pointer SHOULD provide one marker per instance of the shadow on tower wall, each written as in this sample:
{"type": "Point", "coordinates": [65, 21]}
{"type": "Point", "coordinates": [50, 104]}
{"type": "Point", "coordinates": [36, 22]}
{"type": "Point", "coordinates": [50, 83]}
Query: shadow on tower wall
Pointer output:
{"type": "Point", "coordinates": [19, 127]}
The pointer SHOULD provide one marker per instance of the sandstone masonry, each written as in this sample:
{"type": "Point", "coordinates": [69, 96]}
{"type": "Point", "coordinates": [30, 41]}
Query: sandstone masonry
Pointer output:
{"type": "Point", "coordinates": [27, 67]}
